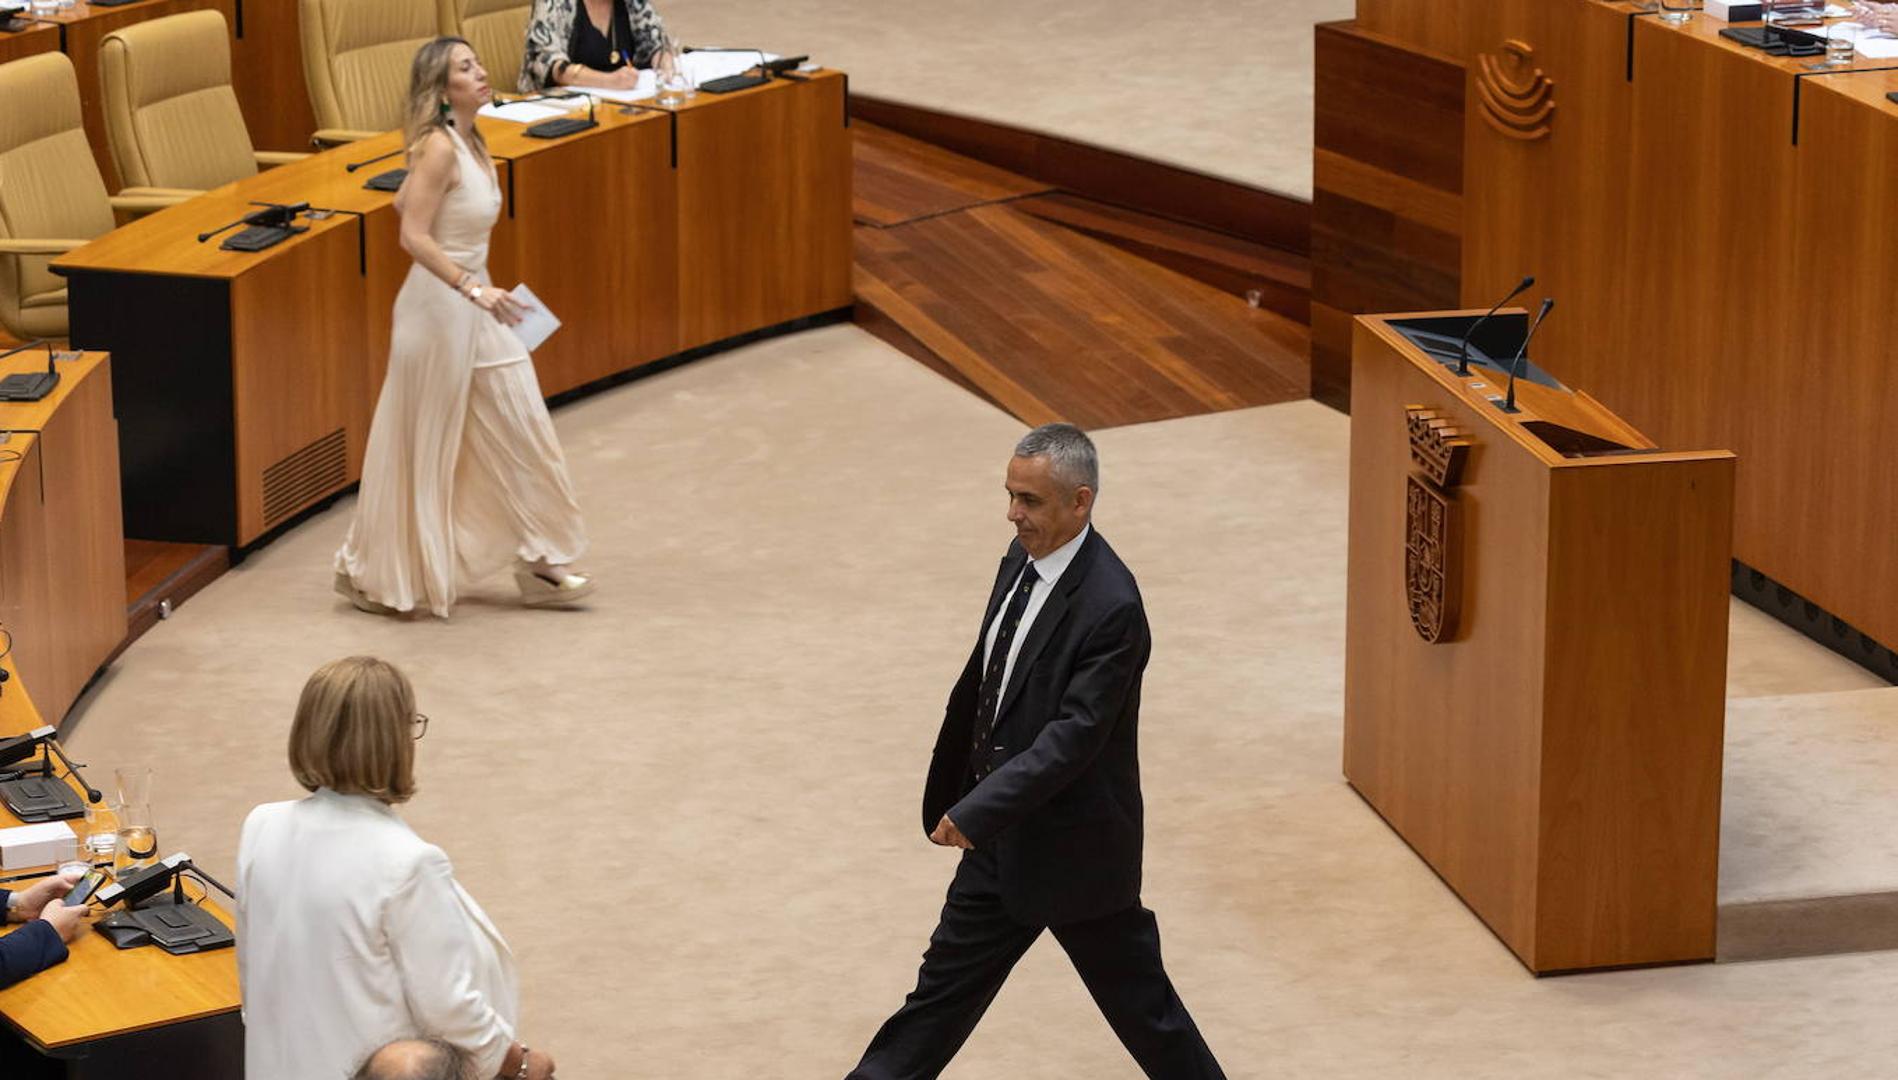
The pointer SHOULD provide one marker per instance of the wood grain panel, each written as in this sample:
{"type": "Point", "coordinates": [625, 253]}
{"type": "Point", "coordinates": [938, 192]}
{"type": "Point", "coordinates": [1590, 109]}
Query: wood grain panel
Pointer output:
{"type": "Point", "coordinates": [267, 73]}
{"type": "Point", "coordinates": [1052, 324]}
{"type": "Point", "coordinates": [297, 323]}
{"type": "Point", "coordinates": [1387, 200]}
{"type": "Point", "coordinates": [36, 38]}
{"type": "Point", "coordinates": [85, 27]}
{"type": "Point", "coordinates": [1809, 515]}
{"type": "Point", "coordinates": [1109, 176]}
{"type": "Point", "coordinates": [897, 178]}
{"type": "Point", "coordinates": [1443, 27]}
{"type": "Point", "coordinates": [764, 208]}
{"type": "Point", "coordinates": [60, 594]}
{"type": "Point", "coordinates": [1559, 207]}
{"type": "Point", "coordinates": [1634, 712]}
{"type": "Point", "coordinates": [591, 230]}
{"type": "Point", "coordinates": [79, 451]}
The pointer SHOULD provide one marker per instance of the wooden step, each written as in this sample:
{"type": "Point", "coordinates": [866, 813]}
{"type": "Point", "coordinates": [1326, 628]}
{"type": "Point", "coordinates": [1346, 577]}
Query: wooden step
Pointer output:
{"type": "Point", "coordinates": [900, 179]}
{"type": "Point", "coordinates": [1054, 324]}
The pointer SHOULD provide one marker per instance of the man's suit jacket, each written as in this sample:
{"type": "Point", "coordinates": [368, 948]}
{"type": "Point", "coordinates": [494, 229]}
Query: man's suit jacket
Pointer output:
{"type": "Point", "coordinates": [29, 950]}
{"type": "Point", "coordinates": [1058, 799]}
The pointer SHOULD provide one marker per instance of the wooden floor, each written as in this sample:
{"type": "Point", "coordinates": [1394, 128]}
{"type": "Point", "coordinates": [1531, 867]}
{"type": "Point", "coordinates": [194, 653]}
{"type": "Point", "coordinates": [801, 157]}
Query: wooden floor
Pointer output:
{"type": "Point", "coordinates": [1057, 307]}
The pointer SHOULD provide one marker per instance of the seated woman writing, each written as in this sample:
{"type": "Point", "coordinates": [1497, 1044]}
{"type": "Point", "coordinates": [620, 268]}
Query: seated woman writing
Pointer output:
{"type": "Point", "coordinates": [597, 43]}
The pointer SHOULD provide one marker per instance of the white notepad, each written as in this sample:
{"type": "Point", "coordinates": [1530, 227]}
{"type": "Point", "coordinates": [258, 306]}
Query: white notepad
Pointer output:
{"type": "Point", "coordinates": [537, 323]}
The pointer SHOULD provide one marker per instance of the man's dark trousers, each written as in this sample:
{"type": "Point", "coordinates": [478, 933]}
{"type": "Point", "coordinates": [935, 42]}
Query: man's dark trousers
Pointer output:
{"type": "Point", "coordinates": [975, 946]}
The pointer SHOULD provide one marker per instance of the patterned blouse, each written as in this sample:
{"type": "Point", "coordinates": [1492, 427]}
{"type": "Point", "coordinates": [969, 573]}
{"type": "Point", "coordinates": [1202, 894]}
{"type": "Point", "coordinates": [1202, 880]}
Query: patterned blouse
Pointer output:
{"type": "Point", "coordinates": [550, 32]}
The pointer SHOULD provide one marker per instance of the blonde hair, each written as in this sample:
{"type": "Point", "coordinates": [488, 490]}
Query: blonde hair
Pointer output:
{"type": "Point", "coordinates": [428, 90]}
{"type": "Point", "coordinates": [353, 730]}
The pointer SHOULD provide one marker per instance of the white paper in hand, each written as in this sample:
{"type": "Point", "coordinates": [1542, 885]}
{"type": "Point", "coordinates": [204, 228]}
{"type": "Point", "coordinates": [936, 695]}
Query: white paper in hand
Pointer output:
{"type": "Point", "coordinates": [537, 323]}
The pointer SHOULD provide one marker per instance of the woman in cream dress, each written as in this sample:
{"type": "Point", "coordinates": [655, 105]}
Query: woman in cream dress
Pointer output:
{"type": "Point", "coordinates": [352, 931]}
{"type": "Point", "coordinates": [463, 472]}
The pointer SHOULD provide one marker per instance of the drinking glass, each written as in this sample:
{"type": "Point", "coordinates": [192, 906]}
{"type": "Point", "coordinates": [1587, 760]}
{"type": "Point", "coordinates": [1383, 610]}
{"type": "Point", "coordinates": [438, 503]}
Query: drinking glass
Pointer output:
{"type": "Point", "coordinates": [43, 8]}
{"type": "Point", "coordinates": [1841, 45]}
{"type": "Point", "coordinates": [1677, 11]}
{"type": "Point", "coordinates": [138, 837]}
{"type": "Point", "coordinates": [102, 835]}
{"type": "Point", "coordinates": [668, 69]}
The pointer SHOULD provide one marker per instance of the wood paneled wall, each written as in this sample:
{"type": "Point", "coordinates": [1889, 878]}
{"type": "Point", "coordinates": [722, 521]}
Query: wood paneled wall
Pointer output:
{"type": "Point", "coordinates": [1387, 192]}
{"type": "Point", "coordinates": [1714, 225]}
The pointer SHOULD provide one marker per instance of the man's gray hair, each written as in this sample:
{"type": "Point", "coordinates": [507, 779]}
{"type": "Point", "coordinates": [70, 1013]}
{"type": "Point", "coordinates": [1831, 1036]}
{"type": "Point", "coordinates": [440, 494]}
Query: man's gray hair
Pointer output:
{"type": "Point", "coordinates": [418, 1059]}
{"type": "Point", "coordinates": [1070, 453]}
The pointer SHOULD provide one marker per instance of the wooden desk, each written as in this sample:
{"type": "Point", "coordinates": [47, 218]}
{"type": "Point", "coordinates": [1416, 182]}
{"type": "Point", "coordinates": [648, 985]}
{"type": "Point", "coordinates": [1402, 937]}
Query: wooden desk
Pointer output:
{"type": "Point", "coordinates": [62, 547]}
{"type": "Point", "coordinates": [107, 1010]}
{"type": "Point", "coordinates": [62, 597]}
{"type": "Point", "coordinates": [83, 27]}
{"type": "Point", "coordinates": [1711, 219]}
{"type": "Point", "coordinates": [649, 236]}
{"type": "Point", "coordinates": [36, 38]}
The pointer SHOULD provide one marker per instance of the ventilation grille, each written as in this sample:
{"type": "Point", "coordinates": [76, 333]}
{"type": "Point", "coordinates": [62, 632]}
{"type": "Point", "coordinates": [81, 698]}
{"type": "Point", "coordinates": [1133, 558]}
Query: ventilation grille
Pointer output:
{"type": "Point", "coordinates": [305, 476]}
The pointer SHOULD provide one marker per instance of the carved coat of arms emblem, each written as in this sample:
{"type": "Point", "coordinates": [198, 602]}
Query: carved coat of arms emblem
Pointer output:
{"type": "Point", "coordinates": [1433, 556]}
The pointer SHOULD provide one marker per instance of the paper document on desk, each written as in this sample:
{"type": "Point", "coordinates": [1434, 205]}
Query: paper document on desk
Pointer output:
{"type": "Point", "coordinates": [525, 112]}
{"type": "Point", "coordinates": [648, 86]}
{"type": "Point", "coordinates": [537, 323]}
{"type": "Point", "coordinates": [703, 67]}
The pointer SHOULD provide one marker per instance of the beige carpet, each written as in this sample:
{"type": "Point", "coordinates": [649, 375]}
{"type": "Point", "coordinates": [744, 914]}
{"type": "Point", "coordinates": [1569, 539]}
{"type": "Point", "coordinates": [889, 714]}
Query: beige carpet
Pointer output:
{"type": "Point", "coordinates": [1220, 87]}
{"type": "Point", "coordinates": [693, 806]}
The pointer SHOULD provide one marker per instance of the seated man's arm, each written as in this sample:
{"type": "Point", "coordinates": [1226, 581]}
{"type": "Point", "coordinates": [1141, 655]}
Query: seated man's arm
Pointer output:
{"type": "Point", "coordinates": [29, 950]}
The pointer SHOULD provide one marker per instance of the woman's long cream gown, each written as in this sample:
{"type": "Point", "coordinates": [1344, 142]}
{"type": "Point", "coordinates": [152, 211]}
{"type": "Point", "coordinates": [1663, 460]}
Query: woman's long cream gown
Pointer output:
{"type": "Point", "coordinates": [463, 473]}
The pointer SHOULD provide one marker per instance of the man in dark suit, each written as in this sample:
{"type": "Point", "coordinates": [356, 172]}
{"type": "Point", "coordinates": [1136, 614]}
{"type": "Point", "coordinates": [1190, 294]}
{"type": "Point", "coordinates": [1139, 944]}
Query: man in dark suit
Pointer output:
{"type": "Point", "coordinates": [1036, 775]}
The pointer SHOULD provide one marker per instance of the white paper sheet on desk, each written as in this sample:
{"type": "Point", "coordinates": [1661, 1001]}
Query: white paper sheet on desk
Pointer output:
{"type": "Point", "coordinates": [706, 66]}
{"type": "Point", "coordinates": [648, 86]}
{"type": "Point", "coordinates": [537, 323]}
{"type": "Point", "coordinates": [525, 112]}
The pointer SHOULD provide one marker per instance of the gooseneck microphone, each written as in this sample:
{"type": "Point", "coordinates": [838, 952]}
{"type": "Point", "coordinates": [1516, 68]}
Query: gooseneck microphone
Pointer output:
{"type": "Point", "coordinates": [354, 165]}
{"type": "Point", "coordinates": [1548, 305]}
{"type": "Point", "coordinates": [92, 793]}
{"type": "Point", "coordinates": [1463, 363]}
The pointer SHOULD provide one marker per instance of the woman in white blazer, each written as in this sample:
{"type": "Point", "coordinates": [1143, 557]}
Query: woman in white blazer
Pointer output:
{"type": "Point", "coordinates": [351, 930]}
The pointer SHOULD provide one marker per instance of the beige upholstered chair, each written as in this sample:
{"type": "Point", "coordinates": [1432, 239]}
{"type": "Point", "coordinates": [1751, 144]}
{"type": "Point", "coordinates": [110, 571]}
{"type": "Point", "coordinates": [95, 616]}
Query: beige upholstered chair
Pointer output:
{"type": "Point", "coordinates": [51, 197]}
{"type": "Point", "coordinates": [170, 113]}
{"type": "Point", "coordinates": [356, 56]}
{"type": "Point", "coordinates": [498, 31]}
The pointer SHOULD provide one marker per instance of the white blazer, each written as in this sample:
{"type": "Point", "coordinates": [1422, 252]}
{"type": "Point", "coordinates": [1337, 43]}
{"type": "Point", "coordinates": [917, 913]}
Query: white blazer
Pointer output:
{"type": "Point", "coordinates": [351, 933]}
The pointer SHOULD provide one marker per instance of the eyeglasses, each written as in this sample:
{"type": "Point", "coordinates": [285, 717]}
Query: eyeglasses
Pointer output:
{"type": "Point", "coordinates": [421, 725]}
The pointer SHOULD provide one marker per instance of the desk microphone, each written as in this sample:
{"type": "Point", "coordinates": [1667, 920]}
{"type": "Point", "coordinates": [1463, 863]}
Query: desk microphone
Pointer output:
{"type": "Point", "coordinates": [31, 385]}
{"type": "Point", "coordinates": [565, 125]}
{"type": "Point", "coordinates": [1548, 305]}
{"type": "Point", "coordinates": [1463, 364]}
{"type": "Point", "coordinates": [272, 216]}
{"type": "Point", "coordinates": [354, 165]}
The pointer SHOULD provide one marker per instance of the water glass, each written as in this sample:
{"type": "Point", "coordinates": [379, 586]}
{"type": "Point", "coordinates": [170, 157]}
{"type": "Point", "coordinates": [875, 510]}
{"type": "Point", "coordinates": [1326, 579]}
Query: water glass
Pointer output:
{"type": "Point", "coordinates": [1841, 45]}
{"type": "Point", "coordinates": [1677, 11]}
{"type": "Point", "coordinates": [669, 75]}
{"type": "Point", "coordinates": [138, 837]}
{"type": "Point", "coordinates": [43, 8]}
{"type": "Point", "coordinates": [102, 835]}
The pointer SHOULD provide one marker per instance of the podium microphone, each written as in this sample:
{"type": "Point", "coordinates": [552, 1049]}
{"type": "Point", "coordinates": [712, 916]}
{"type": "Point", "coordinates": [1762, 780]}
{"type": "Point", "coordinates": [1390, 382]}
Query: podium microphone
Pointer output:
{"type": "Point", "coordinates": [1463, 364]}
{"type": "Point", "coordinates": [1548, 305]}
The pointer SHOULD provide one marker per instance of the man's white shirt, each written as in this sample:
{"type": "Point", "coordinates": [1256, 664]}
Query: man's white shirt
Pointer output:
{"type": "Point", "coordinates": [1047, 572]}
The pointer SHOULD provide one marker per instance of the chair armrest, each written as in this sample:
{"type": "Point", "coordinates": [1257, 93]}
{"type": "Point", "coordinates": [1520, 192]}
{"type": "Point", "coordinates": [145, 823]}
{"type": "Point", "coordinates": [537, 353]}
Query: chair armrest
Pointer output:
{"type": "Point", "coordinates": [144, 200]}
{"type": "Point", "coordinates": [40, 247]}
{"type": "Point", "coordinates": [271, 158]}
{"type": "Point", "coordinates": [339, 136]}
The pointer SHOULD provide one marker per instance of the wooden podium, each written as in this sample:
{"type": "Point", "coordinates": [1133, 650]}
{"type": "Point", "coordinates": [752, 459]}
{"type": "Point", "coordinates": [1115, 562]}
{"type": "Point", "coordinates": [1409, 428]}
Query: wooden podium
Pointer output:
{"type": "Point", "coordinates": [1536, 648]}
